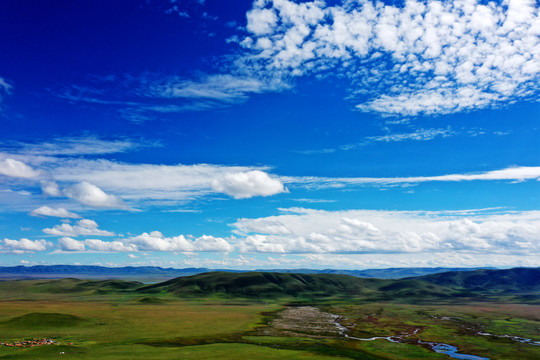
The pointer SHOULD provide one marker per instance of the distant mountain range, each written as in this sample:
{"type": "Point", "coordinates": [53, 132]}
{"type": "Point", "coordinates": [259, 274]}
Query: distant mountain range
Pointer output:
{"type": "Point", "coordinates": [518, 285]}
{"type": "Point", "coordinates": [154, 273]}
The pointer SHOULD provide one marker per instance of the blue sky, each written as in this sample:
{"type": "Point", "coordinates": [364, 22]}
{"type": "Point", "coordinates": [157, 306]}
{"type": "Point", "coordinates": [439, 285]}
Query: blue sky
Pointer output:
{"type": "Point", "coordinates": [270, 134]}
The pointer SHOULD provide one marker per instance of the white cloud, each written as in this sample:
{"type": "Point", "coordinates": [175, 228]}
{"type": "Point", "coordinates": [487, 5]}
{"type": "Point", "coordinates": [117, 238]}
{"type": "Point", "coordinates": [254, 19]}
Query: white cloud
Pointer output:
{"type": "Point", "coordinates": [15, 168]}
{"type": "Point", "coordinates": [137, 98]}
{"type": "Point", "coordinates": [5, 87]}
{"type": "Point", "coordinates": [93, 182]}
{"type": "Point", "coordinates": [50, 188]}
{"type": "Point", "coordinates": [418, 57]}
{"type": "Point", "coordinates": [69, 244]}
{"type": "Point", "coordinates": [81, 145]}
{"type": "Point", "coordinates": [261, 21]}
{"type": "Point", "coordinates": [212, 244]}
{"type": "Point", "coordinates": [155, 241]}
{"type": "Point", "coordinates": [226, 88]}
{"type": "Point", "coordinates": [422, 57]}
{"type": "Point", "coordinates": [59, 212]}
{"type": "Point", "coordinates": [419, 135]}
{"type": "Point", "coordinates": [518, 173]}
{"type": "Point", "coordinates": [179, 182]}
{"type": "Point", "coordinates": [91, 195]}
{"type": "Point", "coordinates": [23, 246]}
{"type": "Point", "coordinates": [110, 246]}
{"type": "Point", "coordinates": [369, 231]}
{"type": "Point", "coordinates": [94, 245]}
{"type": "Point", "coordinates": [248, 184]}
{"type": "Point", "coordinates": [84, 227]}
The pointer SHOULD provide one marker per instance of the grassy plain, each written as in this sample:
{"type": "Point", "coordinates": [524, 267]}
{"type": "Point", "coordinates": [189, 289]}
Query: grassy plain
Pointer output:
{"type": "Point", "coordinates": [115, 320]}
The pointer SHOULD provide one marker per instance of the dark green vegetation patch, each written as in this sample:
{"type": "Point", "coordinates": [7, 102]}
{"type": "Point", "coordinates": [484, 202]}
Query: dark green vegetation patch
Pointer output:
{"type": "Point", "coordinates": [45, 320]}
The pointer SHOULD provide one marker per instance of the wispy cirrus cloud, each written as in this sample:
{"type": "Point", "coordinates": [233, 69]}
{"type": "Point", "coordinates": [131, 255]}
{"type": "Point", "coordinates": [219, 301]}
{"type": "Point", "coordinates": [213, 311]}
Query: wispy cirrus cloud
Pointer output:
{"type": "Point", "coordinates": [76, 145]}
{"type": "Point", "coordinates": [418, 135]}
{"type": "Point", "coordinates": [5, 89]}
{"type": "Point", "coordinates": [142, 97]}
{"type": "Point", "coordinates": [226, 88]}
{"type": "Point", "coordinates": [512, 174]}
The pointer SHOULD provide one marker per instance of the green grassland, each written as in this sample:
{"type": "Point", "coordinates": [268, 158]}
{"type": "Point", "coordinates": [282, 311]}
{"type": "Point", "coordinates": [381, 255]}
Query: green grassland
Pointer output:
{"type": "Point", "coordinates": [231, 316]}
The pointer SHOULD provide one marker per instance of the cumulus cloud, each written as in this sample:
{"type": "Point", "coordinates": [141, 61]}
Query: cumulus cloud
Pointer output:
{"type": "Point", "coordinates": [91, 195]}
{"type": "Point", "coordinates": [110, 246]}
{"type": "Point", "coordinates": [368, 231]}
{"type": "Point", "coordinates": [84, 227]}
{"type": "Point", "coordinates": [59, 212]}
{"type": "Point", "coordinates": [23, 246]}
{"type": "Point", "coordinates": [18, 169]}
{"type": "Point", "coordinates": [420, 57]}
{"type": "Point", "coordinates": [50, 188]}
{"type": "Point", "coordinates": [69, 244]}
{"type": "Point", "coordinates": [248, 184]}
{"type": "Point", "coordinates": [155, 241]}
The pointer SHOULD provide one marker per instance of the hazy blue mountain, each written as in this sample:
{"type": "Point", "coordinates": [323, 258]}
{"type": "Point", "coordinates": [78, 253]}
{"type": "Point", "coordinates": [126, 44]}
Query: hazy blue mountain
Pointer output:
{"type": "Point", "coordinates": [154, 273]}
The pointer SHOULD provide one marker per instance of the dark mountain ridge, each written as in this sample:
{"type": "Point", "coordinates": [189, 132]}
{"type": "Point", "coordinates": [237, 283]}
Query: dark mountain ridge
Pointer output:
{"type": "Point", "coordinates": [516, 279]}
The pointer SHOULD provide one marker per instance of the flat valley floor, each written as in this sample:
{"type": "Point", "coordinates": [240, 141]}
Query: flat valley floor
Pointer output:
{"type": "Point", "coordinates": [134, 326]}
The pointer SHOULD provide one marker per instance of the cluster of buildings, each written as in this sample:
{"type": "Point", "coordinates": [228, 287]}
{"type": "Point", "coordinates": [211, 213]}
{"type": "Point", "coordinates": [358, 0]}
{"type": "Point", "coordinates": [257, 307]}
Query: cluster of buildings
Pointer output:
{"type": "Point", "coordinates": [29, 343]}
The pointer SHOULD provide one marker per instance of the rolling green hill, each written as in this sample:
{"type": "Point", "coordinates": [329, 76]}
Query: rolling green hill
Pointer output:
{"type": "Point", "coordinates": [68, 286]}
{"type": "Point", "coordinates": [264, 284]}
{"type": "Point", "coordinates": [516, 279]}
{"type": "Point", "coordinates": [309, 286]}
{"type": "Point", "coordinates": [522, 284]}
{"type": "Point", "coordinates": [517, 284]}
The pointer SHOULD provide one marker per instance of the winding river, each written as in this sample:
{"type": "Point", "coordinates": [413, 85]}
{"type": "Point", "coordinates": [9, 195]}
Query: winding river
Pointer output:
{"type": "Point", "coordinates": [440, 348]}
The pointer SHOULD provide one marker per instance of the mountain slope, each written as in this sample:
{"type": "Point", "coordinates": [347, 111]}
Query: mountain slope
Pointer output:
{"type": "Point", "coordinates": [276, 285]}
{"type": "Point", "coordinates": [257, 284]}
{"type": "Point", "coordinates": [516, 279]}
